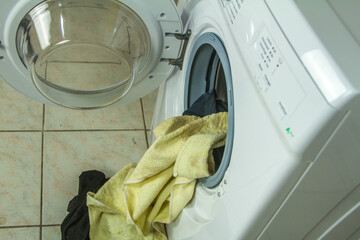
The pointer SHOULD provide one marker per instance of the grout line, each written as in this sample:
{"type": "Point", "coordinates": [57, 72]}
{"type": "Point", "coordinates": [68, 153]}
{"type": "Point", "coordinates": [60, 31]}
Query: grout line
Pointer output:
{"type": "Point", "coordinates": [146, 139]}
{"type": "Point", "coordinates": [84, 62]}
{"type": "Point", "coordinates": [73, 130]}
{"type": "Point", "coordinates": [19, 226]}
{"type": "Point", "coordinates": [51, 225]}
{"type": "Point", "coordinates": [6, 131]}
{"type": "Point", "coordinates": [42, 172]}
{"type": "Point", "coordinates": [30, 226]}
{"type": "Point", "coordinates": [143, 115]}
{"type": "Point", "coordinates": [143, 112]}
{"type": "Point", "coordinates": [95, 130]}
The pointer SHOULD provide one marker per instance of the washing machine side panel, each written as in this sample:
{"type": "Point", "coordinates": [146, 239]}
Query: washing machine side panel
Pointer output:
{"type": "Point", "coordinates": [326, 185]}
{"type": "Point", "coordinates": [170, 99]}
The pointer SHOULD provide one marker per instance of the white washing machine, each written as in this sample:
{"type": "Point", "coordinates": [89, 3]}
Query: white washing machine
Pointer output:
{"type": "Point", "coordinates": [290, 167]}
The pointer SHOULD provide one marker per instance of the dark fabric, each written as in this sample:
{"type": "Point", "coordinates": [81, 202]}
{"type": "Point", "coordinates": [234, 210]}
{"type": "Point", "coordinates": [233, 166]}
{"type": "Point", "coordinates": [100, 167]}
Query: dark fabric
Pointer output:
{"type": "Point", "coordinates": [205, 105]}
{"type": "Point", "coordinates": [221, 106]}
{"type": "Point", "coordinates": [218, 154]}
{"type": "Point", "coordinates": [76, 224]}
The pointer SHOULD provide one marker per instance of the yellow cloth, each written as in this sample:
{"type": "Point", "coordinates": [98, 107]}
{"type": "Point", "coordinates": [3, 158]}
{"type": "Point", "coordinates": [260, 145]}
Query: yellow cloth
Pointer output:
{"type": "Point", "coordinates": [137, 201]}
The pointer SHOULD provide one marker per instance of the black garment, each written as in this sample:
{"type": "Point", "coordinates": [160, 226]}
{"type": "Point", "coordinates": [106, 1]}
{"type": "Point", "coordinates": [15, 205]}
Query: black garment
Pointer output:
{"type": "Point", "coordinates": [76, 224]}
{"type": "Point", "coordinates": [205, 105]}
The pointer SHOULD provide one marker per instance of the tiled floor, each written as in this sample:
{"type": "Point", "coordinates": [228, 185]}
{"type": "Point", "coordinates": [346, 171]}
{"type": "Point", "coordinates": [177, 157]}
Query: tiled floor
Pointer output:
{"type": "Point", "coordinates": [43, 150]}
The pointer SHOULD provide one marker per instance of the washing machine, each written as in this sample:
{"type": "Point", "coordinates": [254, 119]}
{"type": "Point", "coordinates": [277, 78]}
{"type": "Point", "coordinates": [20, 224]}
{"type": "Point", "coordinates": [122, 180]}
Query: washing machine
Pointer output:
{"type": "Point", "coordinates": [290, 83]}
{"type": "Point", "coordinates": [291, 162]}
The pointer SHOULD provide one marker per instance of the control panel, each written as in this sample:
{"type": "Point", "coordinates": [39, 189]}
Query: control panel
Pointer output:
{"type": "Point", "coordinates": [273, 67]}
{"type": "Point", "coordinates": [274, 79]}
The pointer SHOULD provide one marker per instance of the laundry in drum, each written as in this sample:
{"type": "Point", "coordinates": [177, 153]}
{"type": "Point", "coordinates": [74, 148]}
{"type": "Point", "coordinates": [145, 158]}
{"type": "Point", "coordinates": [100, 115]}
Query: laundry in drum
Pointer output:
{"type": "Point", "coordinates": [138, 200]}
{"type": "Point", "coordinates": [207, 104]}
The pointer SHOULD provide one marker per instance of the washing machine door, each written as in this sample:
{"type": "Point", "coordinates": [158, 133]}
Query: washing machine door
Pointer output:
{"type": "Point", "coordinates": [88, 54]}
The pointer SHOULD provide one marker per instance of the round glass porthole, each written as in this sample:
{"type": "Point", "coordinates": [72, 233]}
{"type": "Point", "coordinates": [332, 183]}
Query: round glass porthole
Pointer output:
{"type": "Point", "coordinates": [83, 54]}
{"type": "Point", "coordinates": [209, 90]}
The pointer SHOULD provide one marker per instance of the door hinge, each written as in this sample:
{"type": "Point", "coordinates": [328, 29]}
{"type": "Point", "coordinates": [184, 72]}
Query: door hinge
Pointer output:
{"type": "Point", "coordinates": [178, 62]}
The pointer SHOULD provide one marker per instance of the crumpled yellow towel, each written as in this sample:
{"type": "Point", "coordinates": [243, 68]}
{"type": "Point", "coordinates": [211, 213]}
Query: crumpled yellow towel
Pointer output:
{"type": "Point", "coordinates": [137, 201]}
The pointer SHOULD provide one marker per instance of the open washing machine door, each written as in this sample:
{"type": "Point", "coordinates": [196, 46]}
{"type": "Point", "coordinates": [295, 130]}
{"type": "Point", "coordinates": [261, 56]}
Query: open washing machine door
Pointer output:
{"type": "Point", "coordinates": [88, 54]}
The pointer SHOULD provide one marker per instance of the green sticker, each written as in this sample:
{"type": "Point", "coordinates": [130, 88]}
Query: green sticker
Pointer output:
{"type": "Point", "coordinates": [289, 132]}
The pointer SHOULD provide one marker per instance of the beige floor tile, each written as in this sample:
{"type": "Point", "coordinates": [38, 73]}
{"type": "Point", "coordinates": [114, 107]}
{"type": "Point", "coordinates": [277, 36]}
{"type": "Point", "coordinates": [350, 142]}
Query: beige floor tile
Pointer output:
{"type": "Point", "coordinates": [20, 177]}
{"type": "Point", "coordinates": [51, 233]}
{"type": "Point", "coordinates": [149, 105]}
{"type": "Point", "coordinates": [31, 233]}
{"type": "Point", "coordinates": [126, 116]}
{"type": "Point", "coordinates": [17, 111]}
{"type": "Point", "coordinates": [67, 154]}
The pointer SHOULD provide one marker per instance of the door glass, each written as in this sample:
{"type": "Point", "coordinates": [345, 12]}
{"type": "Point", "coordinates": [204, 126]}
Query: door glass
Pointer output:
{"type": "Point", "coordinates": [83, 53]}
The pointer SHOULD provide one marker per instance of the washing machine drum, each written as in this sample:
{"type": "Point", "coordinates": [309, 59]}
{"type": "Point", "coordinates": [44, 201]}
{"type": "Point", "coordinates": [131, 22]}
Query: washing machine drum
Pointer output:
{"type": "Point", "coordinates": [88, 53]}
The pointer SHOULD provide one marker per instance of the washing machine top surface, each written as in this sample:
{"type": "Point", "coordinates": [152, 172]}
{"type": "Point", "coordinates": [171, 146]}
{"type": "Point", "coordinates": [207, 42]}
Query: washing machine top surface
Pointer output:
{"type": "Point", "coordinates": [88, 54]}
